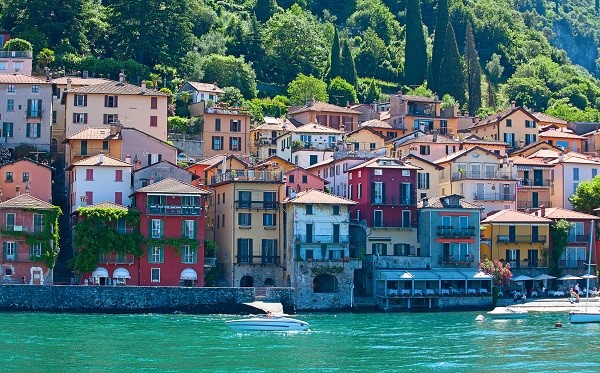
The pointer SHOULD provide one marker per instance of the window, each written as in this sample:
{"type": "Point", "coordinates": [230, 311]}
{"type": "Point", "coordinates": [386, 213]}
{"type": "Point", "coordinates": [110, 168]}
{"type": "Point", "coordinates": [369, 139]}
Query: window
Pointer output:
{"type": "Point", "coordinates": [235, 125]}
{"type": "Point", "coordinates": [118, 175]}
{"type": "Point", "coordinates": [11, 88]}
{"type": "Point", "coordinates": [80, 118]}
{"type": "Point", "coordinates": [119, 198]}
{"type": "Point", "coordinates": [291, 178]}
{"type": "Point", "coordinates": [463, 222]}
{"type": "Point", "coordinates": [188, 255]}
{"type": "Point", "coordinates": [153, 121]}
{"type": "Point", "coordinates": [35, 89]}
{"type": "Point", "coordinates": [244, 250]}
{"type": "Point", "coordinates": [372, 146]}
{"type": "Point", "coordinates": [529, 138]}
{"type": "Point", "coordinates": [377, 218]}
{"type": "Point", "coordinates": [188, 229]}
{"type": "Point", "coordinates": [33, 130]}
{"type": "Point", "coordinates": [10, 104]}
{"type": "Point", "coordinates": [217, 143]}
{"type": "Point", "coordinates": [423, 180]}
{"type": "Point", "coordinates": [217, 125]}
{"type": "Point", "coordinates": [156, 228]}
{"type": "Point", "coordinates": [105, 145]}
{"type": "Point", "coordinates": [304, 179]}
{"type": "Point", "coordinates": [269, 220]}
{"type": "Point", "coordinates": [379, 249]}
{"type": "Point", "coordinates": [406, 218]}
{"type": "Point", "coordinates": [89, 174]}
{"type": "Point", "coordinates": [155, 254]}
{"type": "Point", "coordinates": [25, 177]}
{"type": "Point", "coordinates": [529, 124]}
{"type": "Point", "coordinates": [244, 219]}
{"type": "Point", "coordinates": [89, 198]}
{"type": "Point", "coordinates": [111, 101]}
{"type": "Point", "coordinates": [378, 172]}
{"type": "Point", "coordinates": [269, 199]}
{"type": "Point", "coordinates": [9, 250]}
{"type": "Point", "coordinates": [10, 220]}
{"type": "Point", "coordinates": [38, 223]}
{"type": "Point", "coordinates": [406, 173]}
{"type": "Point", "coordinates": [594, 172]}
{"type": "Point", "coordinates": [336, 209]}
{"type": "Point", "coordinates": [425, 150]}
{"type": "Point", "coordinates": [80, 100]}
{"type": "Point", "coordinates": [9, 177]}
{"type": "Point", "coordinates": [509, 138]}
{"type": "Point", "coordinates": [7, 129]}
{"type": "Point", "coordinates": [269, 251]}
{"type": "Point", "coordinates": [235, 143]}
{"type": "Point", "coordinates": [155, 274]}
{"type": "Point", "coordinates": [110, 118]}
{"type": "Point", "coordinates": [359, 191]}
{"type": "Point", "coordinates": [3, 65]}
{"type": "Point", "coordinates": [18, 66]}
{"type": "Point", "coordinates": [309, 209]}
{"type": "Point", "coordinates": [35, 250]}
{"type": "Point", "coordinates": [244, 199]}
{"type": "Point", "coordinates": [378, 193]}
{"type": "Point", "coordinates": [509, 123]}
{"type": "Point", "coordinates": [313, 159]}
{"type": "Point", "coordinates": [153, 103]}
{"type": "Point", "coordinates": [401, 249]}
{"type": "Point", "coordinates": [576, 173]}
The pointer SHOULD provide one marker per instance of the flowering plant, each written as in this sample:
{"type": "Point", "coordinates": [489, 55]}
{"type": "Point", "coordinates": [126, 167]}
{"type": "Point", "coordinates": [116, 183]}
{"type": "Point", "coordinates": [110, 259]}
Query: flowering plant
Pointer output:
{"type": "Point", "coordinates": [499, 271]}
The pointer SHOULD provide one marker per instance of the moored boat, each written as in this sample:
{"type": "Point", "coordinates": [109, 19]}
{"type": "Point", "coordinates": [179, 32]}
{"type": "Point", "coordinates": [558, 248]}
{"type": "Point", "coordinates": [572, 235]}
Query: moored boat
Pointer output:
{"type": "Point", "coordinates": [584, 316]}
{"type": "Point", "coordinates": [270, 323]}
{"type": "Point", "coordinates": [507, 313]}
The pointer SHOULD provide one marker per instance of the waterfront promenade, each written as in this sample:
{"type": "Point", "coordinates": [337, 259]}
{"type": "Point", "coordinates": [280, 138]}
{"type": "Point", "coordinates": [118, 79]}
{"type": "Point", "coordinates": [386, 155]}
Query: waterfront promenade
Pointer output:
{"type": "Point", "coordinates": [551, 305]}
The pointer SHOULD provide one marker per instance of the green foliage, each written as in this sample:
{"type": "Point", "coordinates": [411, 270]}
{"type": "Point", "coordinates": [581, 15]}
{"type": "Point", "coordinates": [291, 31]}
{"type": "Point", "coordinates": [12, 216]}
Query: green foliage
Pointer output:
{"type": "Point", "coordinates": [439, 42]}
{"type": "Point", "coordinates": [275, 107]}
{"type": "Point", "coordinates": [305, 88]}
{"type": "Point", "coordinates": [563, 109]}
{"type": "Point", "coordinates": [341, 10]}
{"type": "Point", "coordinates": [373, 58]}
{"type": "Point", "coordinates": [210, 248]}
{"type": "Point", "coordinates": [335, 63]}
{"type": "Point", "coordinates": [348, 68]}
{"type": "Point", "coordinates": [45, 58]}
{"type": "Point", "coordinates": [177, 124]}
{"type": "Point", "coordinates": [373, 14]}
{"type": "Point", "coordinates": [587, 196]}
{"type": "Point", "coordinates": [96, 233]}
{"type": "Point", "coordinates": [297, 145]}
{"type": "Point", "coordinates": [421, 90]}
{"type": "Point", "coordinates": [369, 91]}
{"type": "Point", "coordinates": [560, 232]}
{"type": "Point", "coordinates": [529, 92]}
{"type": "Point", "coordinates": [232, 97]}
{"type": "Point", "coordinates": [473, 72]}
{"type": "Point", "coordinates": [452, 72]}
{"type": "Point", "coordinates": [341, 92]}
{"type": "Point", "coordinates": [16, 44]}
{"type": "Point", "coordinates": [415, 65]}
{"type": "Point", "coordinates": [29, 152]}
{"type": "Point", "coordinates": [228, 71]}
{"type": "Point", "coordinates": [264, 9]}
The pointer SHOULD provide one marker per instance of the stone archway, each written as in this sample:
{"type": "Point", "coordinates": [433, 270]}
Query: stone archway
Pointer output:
{"type": "Point", "coordinates": [246, 282]}
{"type": "Point", "coordinates": [325, 283]}
{"type": "Point", "coordinates": [269, 282]}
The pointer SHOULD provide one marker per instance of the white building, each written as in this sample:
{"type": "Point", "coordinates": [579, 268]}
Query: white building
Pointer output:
{"type": "Point", "coordinates": [570, 170]}
{"type": "Point", "coordinates": [308, 144]}
{"type": "Point", "coordinates": [99, 179]}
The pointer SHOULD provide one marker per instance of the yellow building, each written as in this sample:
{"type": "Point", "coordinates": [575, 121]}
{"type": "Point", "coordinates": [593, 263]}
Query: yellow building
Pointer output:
{"type": "Point", "coordinates": [226, 130]}
{"type": "Point", "coordinates": [515, 126]}
{"type": "Point", "coordinates": [93, 141]}
{"type": "Point", "coordinates": [533, 149]}
{"type": "Point", "coordinates": [533, 181]}
{"type": "Point", "coordinates": [545, 120]}
{"type": "Point", "coordinates": [365, 139]}
{"type": "Point", "coordinates": [515, 237]}
{"type": "Point", "coordinates": [564, 139]}
{"type": "Point", "coordinates": [328, 115]}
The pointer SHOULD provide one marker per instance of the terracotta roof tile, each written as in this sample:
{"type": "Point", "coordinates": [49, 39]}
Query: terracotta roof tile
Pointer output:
{"type": "Point", "coordinates": [107, 205]}
{"type": "Point", "coordinates": [376, 123]}
{"type": "Point", "coordinates": [561, 134]}
{"type": "Point", "coordinates": [529, 161]}
{"type": "Point", "coordinates": [385, 162]}
{"type": "Point", "coordinates": [206, 87]}
{"type": "Point", "coordinates": [418, 98]}
{"type": "Point", "coordinates": [316, 128]}
{"type": "Point", "coordinates": [543, 117]}
{"type": "Point", "coordinates": [512, 216]}
{"type": "Point", "coordinates": [170, 185]}
{"type": "Point", "coordinates": [314, 196]}
{"type": "Point", "coordinates": [77, 81]}
{"type": "Point", "coordinates": [95, 161]}
{"type": "Point", "coordinates": [323, 106]}
{"type": "Point", "coordinates": [25, 201]}
{"type": "Point", "coordinates": [91, 133]}
{"type": "Point", "coordinates": [117, 88]}
{"type": "Point", "coordinates": [560, 213]}
{"type": "Point", "coordinates": [275, 124]}
{"type": "Point", "coordinates": [21, 79]}
{"type": "Point", "coordinates": [440, 202]}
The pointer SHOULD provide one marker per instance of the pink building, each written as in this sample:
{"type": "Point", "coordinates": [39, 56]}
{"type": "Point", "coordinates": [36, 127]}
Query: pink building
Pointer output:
{"type": "Point", "coordinates": [300, 180]}
{"type": "Point", "coordinates": [26, 176]}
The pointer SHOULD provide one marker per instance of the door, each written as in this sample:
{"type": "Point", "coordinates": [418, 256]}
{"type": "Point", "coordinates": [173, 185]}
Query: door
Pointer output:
{"type": "Point", "coordinates": [535, 199]}
{"type": "Point", "coordinates": [534, 234]}
{"type": "Point", "coordinates": [532, 256]}
{"type": "Point", "coordinates": [538, 178]}
{"type": "Point", "coordinates": [475, 171]}
{"type": "Point", "coordinates": [512, 234]}
{"type": "Point", "coordinates": [84, 147]}
{"type": "Point", "coordinates": [309, 233]}
{"type": "Point", "coordinates": [506, 192]}
{"type": "Point", "coordinates": [479, 191]}
{"type": "Point", "coordinates": [336, 233]}
{"type": "Point", "coordinates": [526, 181]}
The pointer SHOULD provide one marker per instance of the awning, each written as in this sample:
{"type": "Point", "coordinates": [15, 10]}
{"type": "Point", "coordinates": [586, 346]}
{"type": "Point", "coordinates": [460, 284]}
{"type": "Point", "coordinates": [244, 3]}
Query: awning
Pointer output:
{"type": "Point", "coordinates": [402, 274]}
{"type": "Point", "coordinates": [121, 273]}
{"type": "Point", "coordinates": [189, 274]}
{"type": "Point", "coordinates": [450, 275]}
{"type": "Point", "coordinates": [476, 275]}
{"type": "Point", "coordinates": [100, 272]}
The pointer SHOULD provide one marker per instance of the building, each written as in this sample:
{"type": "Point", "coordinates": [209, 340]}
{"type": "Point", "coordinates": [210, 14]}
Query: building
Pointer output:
{"type": "Point", "coordinates": [335, 117]}
{"type": "Point", "coordinates": [245, 221]}
{"type": "Point", "coordinates": [430, 147]}
{"type": "Point", "coordinates": [532, 150]}
{"type": "Point", "coordinates": [263, 138]}
{"type": "Point", "coordinates": [308, 144]}
{"type": "Point", "coordinates": [569, 170]}
{"type": "Point", "coordinates": [209, 167]}
{"type": "Point", "coordinates": [533, 181]}
{"type": "Point", "coordinates": [93, 141]}
{"type": "Point", "coordinates": [383, 128]}
{"type": "Point", "coordinates": [156, 172]}
{"type": "Point", "coordinates": [28, 242]}
{"type": "Point", "coordinates": [333, 170]}
{"type": "Point", "coordinates": [428, 177]}
{"type": "Point", "coordinates": [15, 62]}
{"type": "Point", "coordinates": [516, 238]}
{"type": "Point", "coordinates": [226, 130]}
{"type": "Point", "coordinates": [564, 139]}
{"type": "Point", "coordinates": [172, 221]}
{"type": "Point", "coordinates": [26, 113]}
{"type": "Point", "coordinates": [99, 179]}
{"type": "Point", "coordinates": [199, 95]}
{"type": "Point", "coordinates": [101, 105]}
{"type": "Point", "coordinates": [300, 180]}
{"type": "Point", "coordinates": [25, 176]}
{"type": "Point", "coordinates": [321, 267]}
{"type": "Point", "coordinates": [545, 120]}
{"type": "Point", "coordinates": [145, 149]}
{"type": "Point", "coordinates": [515, 126]}
{"type": "Point", "coordinates": [364, 139]}
{"type": "Point", "coordinates": [449, 229]}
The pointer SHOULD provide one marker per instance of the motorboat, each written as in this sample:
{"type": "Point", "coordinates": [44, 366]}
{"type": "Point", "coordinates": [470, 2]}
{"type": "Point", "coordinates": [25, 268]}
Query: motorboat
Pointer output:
{"type": "Point", "coordinates": [584, 316]}
{"type": "Point", "coordinates": [271, 323]}
{"type": "Point", "coordinates": [507, 313]}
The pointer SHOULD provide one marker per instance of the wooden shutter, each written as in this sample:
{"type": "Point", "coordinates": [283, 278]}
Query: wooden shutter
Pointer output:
{"type": "Point", "coordinates": [194, 254]}
{"type": "Point", "coordinates": [160, 157]}
{"type": "Point", "coordinates": [39, 130]}
{"type": "Point", "coordinates": [116, 102]}
{"type": "Point", "coordinates": [74, 118]}
{"type": "Point", "coordinates": [119, 198]}
{"type": "Point", "coordinates": [149, 159]}
{"type": "Point", "coordinates": [162, 228]}
{"type": "Point", "coordinates": [105, 118]}
{"type": "Point", "coordinates": [74, 100]}
{"type": "Point", "coordinates": [372, 192]}
{"type": "Point", "coordinates": [105, 101]}
{"type": "Point", "coordinates": [161, 250]}
{"type": "Point", "coordinates": [150, 254]}
{"type": "Point", "coordinates": [153, 121]}
{"type": "Point", "coordinates": [16, 251]}
{"type": "Point", "coordinates": [183, 228]}
{"type": "Point", "coordinates": [195, 225]}
{"type": "Point", "coordinates": [84, 100]}
{"type": "Point", "coordinates": [4, 250]}
{"type": "Point", "coordinates": [39, 107]}
{"type": "Point", "coordinates": [149, 228]}
{"type": "Point", "coordinates": [85, 118]}
{"type": "Point", "coordinates": [153, 103]}
{"type": "Point", "coordinates": [28, 130]}
{"type": "Point", "coordinates": [28, 107]}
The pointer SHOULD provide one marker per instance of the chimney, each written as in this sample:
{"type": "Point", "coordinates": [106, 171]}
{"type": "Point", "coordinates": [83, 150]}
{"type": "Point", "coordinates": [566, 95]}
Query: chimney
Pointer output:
{"type": "Point", "coordinates": [513, 104]}
{"type": "Point", "coordinates": [151, 180]}
{"type": "Point", "coordinates": [542, 211]}
{"type": "Point", "coordinates": [101, 158]}
{"type": "Point", "coordinates": [561, 157]}
{"type": "Point", "coordinates": [310, 101]}
{"type": "Point", "coordinates": [434, 136]}
{"type": "Point", "coordinates": [69, 81]}
{"type": "Point", "coordinates": [128, 158]}
{"type": "Point", "coordinates": [121, 77]}
{"type": "Point", "coordinates": [18, 190]}
{"type": "Point", "coordinates": [143, 86]}
{"type": "Point", "coordinates": [86, 74]}
{"type": "Point", "coordinates": [425, 202]}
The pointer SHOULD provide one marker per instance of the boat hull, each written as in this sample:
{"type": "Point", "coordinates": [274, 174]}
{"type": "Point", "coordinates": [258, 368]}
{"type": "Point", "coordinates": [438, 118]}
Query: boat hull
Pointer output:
{"type": "Point", "coordinates": [268, 324]}
{"type": "Point", "coordinates": [507, 313]}
{"type": "Point", "coordinates": [584, 317]}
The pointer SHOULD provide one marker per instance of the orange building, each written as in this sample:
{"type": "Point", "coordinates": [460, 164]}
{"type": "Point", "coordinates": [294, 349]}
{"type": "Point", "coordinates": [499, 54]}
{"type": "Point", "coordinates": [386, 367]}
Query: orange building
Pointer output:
{"type": "Point", "coordinates": [328, 115]}
{"type": "Point", "coordinates": [26, 176]}
{"type": "Point", "coordinates": [226, 130]}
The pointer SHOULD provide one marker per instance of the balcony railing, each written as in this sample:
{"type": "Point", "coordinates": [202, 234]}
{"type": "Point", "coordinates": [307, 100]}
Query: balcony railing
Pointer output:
{"type": "Point", "coordinates": [534, 183]}
{"type": "Point", "coordinates": [252, 176]}
{"type": "Point", "coordinates": [575, 264]}
{"type": "Point", "coordinates": [393, 201]}
{"type": "Point", "coordinates": [210, 262]}
{"type": "Point", "coordinates": [34, 113]}
{"type": "Point", "coordinates": [463, 261]}
{"type": "Point", "coordinates": [257, 259]}
{"type": "Point", "coordinates": [259, 205]}
{"type": "Point", "coordinates": [526, 263]}
{"type": "Point", "coordinates": [394, 223]}
{"type": "Point", "coordinates": [522, 205]}
{"type": "Point", "coordinates": [482, 175]}
{"type": "Point", "coordinates": [322, 239]}
{"type": "Point", "coordinates": [15, 228]}
{"type": "Point", "coordinates": [522, 239]}
{"type": "Point", "coordinates": [443, 231]}
{"type": "Point", "coordinates": [116, 258]}
{"type": "Point", "coordinates": [578, 238]}
{"type": "Point", "coordinates": [493, 196]}
{"type": "Point", "coordinates": [174, 210]}
{"type": "Point", "coordinates": [16, 54]}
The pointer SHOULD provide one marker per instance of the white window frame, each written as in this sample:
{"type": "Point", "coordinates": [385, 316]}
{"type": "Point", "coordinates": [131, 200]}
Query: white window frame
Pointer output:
{"type": "Point", "coordinates": [187, 254]}
{"type": "Point", "coordinates": [153, 272]}
{"type": "Point", "coordinates": [156, 231]}
{"type": "Point", "coordinates": [36, 249]}
{"type": "Point", "coordinates": [10, 250]}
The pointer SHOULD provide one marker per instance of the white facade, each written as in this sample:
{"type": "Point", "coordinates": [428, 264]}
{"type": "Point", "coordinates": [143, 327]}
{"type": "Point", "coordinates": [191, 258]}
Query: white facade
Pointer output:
{"type": "Point", "coordinates": [335, 173]}
{"type": "Point", "coordinates": [102, 187]}
{"type": "Point", "coordinates": [315, 139]}
{"type": "Point", "coordinates": [569, 171]}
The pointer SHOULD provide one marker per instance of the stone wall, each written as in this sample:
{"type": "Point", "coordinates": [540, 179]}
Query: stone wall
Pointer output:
{"type": "Point", "coordinates": [134, 299]}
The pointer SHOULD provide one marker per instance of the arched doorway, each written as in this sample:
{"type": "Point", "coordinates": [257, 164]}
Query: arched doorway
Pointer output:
{"type": "Point", "coordinates": [269, 282]}
{"type": "Point", "coordinates": [325, 283]}
{"type": "Point", "coordinates": [246, 282]}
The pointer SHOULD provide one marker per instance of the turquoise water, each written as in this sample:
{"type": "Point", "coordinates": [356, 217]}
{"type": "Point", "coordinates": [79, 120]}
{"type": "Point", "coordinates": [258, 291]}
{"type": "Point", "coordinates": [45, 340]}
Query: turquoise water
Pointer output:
{"type": "Point", "coordinates": [394, 342]}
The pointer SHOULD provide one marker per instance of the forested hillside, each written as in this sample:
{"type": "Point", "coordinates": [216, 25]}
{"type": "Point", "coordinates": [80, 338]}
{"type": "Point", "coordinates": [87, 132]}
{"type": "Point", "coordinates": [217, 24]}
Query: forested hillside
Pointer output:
{"type": "Point", "coordinates": [481, 53]}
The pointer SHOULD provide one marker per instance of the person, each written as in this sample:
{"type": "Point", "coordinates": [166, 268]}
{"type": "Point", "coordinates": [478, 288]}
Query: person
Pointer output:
{"type": "Point", "coordinates": [544, 290]}
{"type": "Point", "coordinates": [24, 280]}
{"type": "Point", "coordinates": [524, 297]}
{"type": "Point", "coordinates": [576, 288]}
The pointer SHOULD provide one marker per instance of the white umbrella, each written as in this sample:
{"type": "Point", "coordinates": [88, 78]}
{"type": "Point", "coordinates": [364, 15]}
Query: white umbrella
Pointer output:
{"type": "Point", "coordinates": [570, 277]}
{"type": "Point", "coordinates": [589, 276]}
{"type": "Point", "coordinates": [522, 278]}
{"type": "Point", "coordinates": [544, 277]}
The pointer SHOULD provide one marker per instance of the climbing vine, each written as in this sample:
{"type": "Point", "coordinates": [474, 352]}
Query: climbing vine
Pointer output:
{"type": "Point", "coordinates": [560, 233]}
{"type": "Point", "coordinates": [174, 242]}
{"type": "Point", "coordinates": [96, 233]}
{"type": "Point", "coordinates": [327, 270]}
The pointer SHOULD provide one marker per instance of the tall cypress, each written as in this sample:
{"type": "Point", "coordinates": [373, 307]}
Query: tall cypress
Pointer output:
{"type": "Point", "coordinates": [264, 9]}
{"type": "Point", "coordinates": [452, 74]}
{"type": "Point", "coordinates": [415, 61]}
{"type": "Point", "coordinates": [473, 73]}
{"type": "Point", "coordinates": [439, 41]}
{"type": "Point", "coordinates": [334, 58]}
{"type": "Point", "coordinates": [348, 68]}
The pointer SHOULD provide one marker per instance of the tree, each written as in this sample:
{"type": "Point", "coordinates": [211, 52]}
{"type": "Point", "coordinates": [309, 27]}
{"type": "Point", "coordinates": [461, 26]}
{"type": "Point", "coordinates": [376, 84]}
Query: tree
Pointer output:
{"type": "Point", "coordinates": [348, 68]}
{"type": "Point", "coordinates": [16, 44]}
{"type": "Point", "coordinates": [560, 233]}
{"type": "Point", "coordinates": [415, 65]}
{"type": "Point", "coordinates": [340, 9]}
{"type": "Point", "coordinates": [335, 64]}
{"type": "Point", "coordinates": [228, 71]}
{"type": "Point", "coordinates": [341, 92]}
{"type": "Point", "coordinates": [305, 88]}
{"type": "Point", "coordinates": [452, 73]}
{"type": "Point", "coordinates": [45, 58]}
{"type": "Point", "coordinates": [587, 196]}
{"type": "Point", "coordinates": [4, 155]}
{"type": "Point", "coordinates": [264, 9]}
{"type": "Point", "coordinates": [494, 71]}
{"type": "Point", "coordinates": [500, 273]}
{"type": "Point", "coordinates": [439, 42]}
{"type": "Point", "coordinates": [529, 92]}
{"type": "Point", "coordinates": [232, 96]}
{"type": "Point", "coordinates": [473, 72]}
{"type": "Point", "coordinates": [372, 57]}
{"type": "Point", "coordinates": [369, 91]}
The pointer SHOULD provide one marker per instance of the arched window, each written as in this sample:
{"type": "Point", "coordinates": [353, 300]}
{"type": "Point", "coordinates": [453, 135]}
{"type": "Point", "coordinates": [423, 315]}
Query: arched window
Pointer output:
{"type": "Point", "coordinates": [325, 283]}
{"type": "Point", "coordinates": [246, 282]}
{"type": "Point", "coordinates": [269, 282]}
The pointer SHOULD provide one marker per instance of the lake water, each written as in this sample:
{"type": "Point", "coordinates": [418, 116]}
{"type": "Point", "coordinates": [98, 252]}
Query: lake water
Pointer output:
{"type": "Point", "coordinates": [393, 342]}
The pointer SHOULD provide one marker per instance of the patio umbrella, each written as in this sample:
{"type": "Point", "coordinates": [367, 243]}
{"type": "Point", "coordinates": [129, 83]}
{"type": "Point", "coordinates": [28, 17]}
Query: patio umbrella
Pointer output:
{"type": "Point", "coordinates": [570, 278]}
{"type": "Point", "coordinates": [544, 277]}
{"type": "Point", "coordinates": [589, 276]}
{"type": "Point", "coordinates": [521, 278]}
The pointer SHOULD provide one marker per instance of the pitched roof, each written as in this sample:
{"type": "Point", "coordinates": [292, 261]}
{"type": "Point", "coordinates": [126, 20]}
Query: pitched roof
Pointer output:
{"type": "Point", "coordinates": [497, 117]}
{"type": "Point", "coordinates": [275, 124]}
{"type": "Point", "coordinates": [441, 202]}
{"type": "Point", "coordinates": [544, 144]}
{"type": "Point", "coordinates": [216, 160]}
{"type": "Point", "coordinates": [573, 157]}
{"type": "Point", "coordinates": [125, 129]}
{"type": "Point", "coordinates": [21, 79]}
{"type": "Point", "coordinates": [413, 156]}
{"type": "Point", "coordinates": [274, 158]}
{"type": "Point", "coordinates": [117, 88]}
{"type": "Point", "coordinates": [95, 161]}
{"type": "Point", "coordinates": [460, 153]}
{"type": "Point", "coordinates": [95, 133]}
{"type": "Point", "coordinates": [322, 163]}
{"type": "Point", "coordinates": [560, 213]}
{"type": "Point", "coordinates": [439, 139]}
{"type": "Point", "coordinates": [77, 81]}
{"type": "Point", "coordinates": [543, 117]}
{"type": "Point", "coordinates": [370, 129]}
{"type": "Point", "coordinates": [418, 98]}
{"type": "Point", "coordinates": [316, 197]}
{"type": "Point", "coordinates": [512, 216]}
{"type": "Point", "coordinates": [529, 161]}
{"type": "Point", "coordinates": [385, 162]}
{"type": "Point", "coordinates": [205, 87]}
{"type": "Point", "coordinates": [561, 134]}
{"type": "Point", "coordinates": [170, 185]}
{"type": "Point", "coordinates": [298, 168]}
{"type": "Point", "coordinates": [545, 153]}
{"type": "Point", "coordinates": [316, 128]}
{"type": "Point", "coordinates": [107, 205]}
{"type": "Point", "coordinates": [164, 161]}
{"type": "Point", "coordinates": [323, 106]}
{"type": "Point", "coordinates": [25, 201]}
{"type": "Point", "coordinates": [27, 160]}
{"type": "Point", "coordinates": [376, 123]}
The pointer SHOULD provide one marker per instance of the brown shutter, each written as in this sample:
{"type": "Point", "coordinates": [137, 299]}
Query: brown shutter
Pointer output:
{"type": "Point", "coordinates": [116, 101]}
{"type": "Point", "coordinates": [74, 100]}
{"type": "Point", "coordinates": [105, 101]}
{"type": "Point", "coordinates": [74, 118]}
{"type": "Point", "coordinates": [105, 121]}
{"type": "Point", "coordinates": [84, 100]}
{"type": "Point", "coordinates": [85, 118]}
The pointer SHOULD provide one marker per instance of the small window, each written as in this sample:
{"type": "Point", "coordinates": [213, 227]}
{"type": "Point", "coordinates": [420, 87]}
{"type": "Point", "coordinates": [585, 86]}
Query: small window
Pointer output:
{"type": "Point", "coordinates": [304, 179]}
{"type": "Point", "coordinates": [25, 176]}
{"type": "Point", "coordinates": [153, 103]}
{"type": "Point", "coordinates": [336, 210]}
{"type": "Point", "coordinates": [153, 121]}
{"type": "Point", "coordinates": [105, 145]}
{"type": "Point", "coordinates": [405, 172]}
{"type": "Point", "coordinates": [378, 172]}
{"type": "Point", "coordinates": [509, 123]}
{"type": "Point", "coordinates": [35, 89]}
{"type": "Point", "coordinates": [11, 88]}
{"type": "Point", "coordinates": [309, 209]}
{"type": "Point", "coordinates": [155, 274]}
{"type": "Point", "coordinates": [9, 177]}
{"type": "Point", "coordinates": [291, 178]}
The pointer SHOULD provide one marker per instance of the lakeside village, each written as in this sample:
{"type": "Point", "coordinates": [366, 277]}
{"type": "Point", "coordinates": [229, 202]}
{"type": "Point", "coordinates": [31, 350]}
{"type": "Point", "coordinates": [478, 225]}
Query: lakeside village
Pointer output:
{"type": "Point", "coordinates": [393, 204]}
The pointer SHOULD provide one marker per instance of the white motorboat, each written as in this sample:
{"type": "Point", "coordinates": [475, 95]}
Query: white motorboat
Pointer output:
{"type": "Point", "coordinates": [275, 323]}
{"type": "Point", "coordinates": [507, 313]}
{"type": "Point", "coordinates": [584, 316]}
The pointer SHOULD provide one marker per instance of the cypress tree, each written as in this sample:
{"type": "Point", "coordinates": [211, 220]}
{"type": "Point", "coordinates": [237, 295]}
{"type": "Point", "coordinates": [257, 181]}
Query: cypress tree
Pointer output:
{"type": "Point", "coordinates": [452, 75]}
{"type": "Point", "coordinates": [473, 73]}
{"type": "Point", "coordinates": [348, 68]}
{"type": "Point", "coordinates": [415, 62]}
{"type": "Point", "coordinates": [335, 65]}
{"type": "Point", "coordinates": [264, 9]}
{"type": "Point", "coordinates": [439, 41]}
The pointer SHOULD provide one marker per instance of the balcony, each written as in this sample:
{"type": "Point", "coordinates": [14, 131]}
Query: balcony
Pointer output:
{"type": "Point", "coordinates": [210, 262]}
{"type": "Point", "coordinates": [457, 261]}
{"type": "Point", "coordinates": [493, 196]}
{"type": "Point", "coordinates": [482, 175]}
{"type": "Point", "coordinates": [257, 259]}
{"type": "Point", "coordinates": [15, 228]}
{"type": "Point", "coordinates": [322, 239]}
{"type": "Point", "coordinates": [16, 54]}
{"type": "Point", "coordinates": [528, 183]}
{"type": "Point", "coordinates": [174, 210]}
{"type": "Point", "coordinates": [522, 205]}
{"type": "Point", "coordinates": [578, 238]}
{"type": "Point", "coordinates": [259, 205]}
{"type": "Point", "coordinates": [393, 201]}
{"type": "Point", "coordinates": [116, 259]}
{"type": "Point", "coordinates": [522, 239]}
{"type": "Point", "coordinates": [576, 264]}
{"type": "Point", "coordinates": [248, 176]}
{"type": "Point", "coordinates": [394, 223]}
{"type": "Point", "coordinates": [226, 111]}
{"type": "Point", "coordinates": [34, 113]}
{"type": "Point", "coordinates": [452, 232]}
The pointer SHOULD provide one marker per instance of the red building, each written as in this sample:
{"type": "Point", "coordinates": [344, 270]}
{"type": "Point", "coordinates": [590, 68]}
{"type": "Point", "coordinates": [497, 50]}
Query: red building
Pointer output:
{"type": "Point", "coordinates": [172, 220]}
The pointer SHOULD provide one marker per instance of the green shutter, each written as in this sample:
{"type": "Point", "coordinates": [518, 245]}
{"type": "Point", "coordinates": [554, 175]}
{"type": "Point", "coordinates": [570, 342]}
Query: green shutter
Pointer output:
{"type": "Point", "coordinates": [4, 250]}
{"type": "Point", "coordinates": [160, 157]}
{"type": "Point", "coordinates": [149, 159]}
{"type": "Point", "coordinates": [149, 228]}
{"type": "Point", "coordinates": [162, 254]}
{"type": "Point", "coordinates": [39, 130]}
{"type": "Point", "coordinates": [195, 255]}
{"type": "Point", "coordinates": [195, 229]}
{"type": "Point", "coordinates": [28, 130]}
{"type": "Point", "coordinates": [372, 192]}
{"type": "Point", "coordinates": [383, 192]}
{"type": "Point", "coordinates": [183, 228]}
{"type": "Point", "coordinates": [162, 228]}
{"type": "Point", "coordinates": [28, 107]}
{"type": "Point", "coordinates": [149, 254]}
{"type": "Point", "coordinates": [16, 251]}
